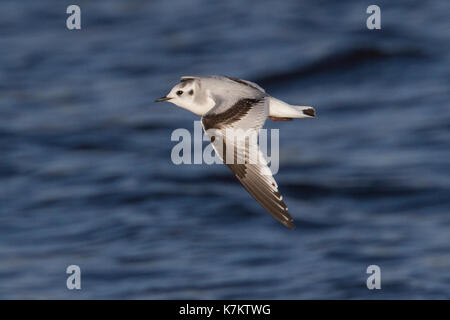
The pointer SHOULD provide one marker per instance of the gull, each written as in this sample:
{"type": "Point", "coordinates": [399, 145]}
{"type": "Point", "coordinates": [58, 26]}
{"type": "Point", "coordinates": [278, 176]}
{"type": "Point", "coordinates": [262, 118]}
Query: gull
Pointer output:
{"type": "Point", "coordinates": [226, 103]}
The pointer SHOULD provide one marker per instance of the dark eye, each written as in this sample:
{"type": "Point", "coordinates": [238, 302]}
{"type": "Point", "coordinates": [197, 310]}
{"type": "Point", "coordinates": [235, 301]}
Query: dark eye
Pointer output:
{"type": "Point", "coordinates": [179, 92]}
{"type": "Point", "coordinates": [191, 92]}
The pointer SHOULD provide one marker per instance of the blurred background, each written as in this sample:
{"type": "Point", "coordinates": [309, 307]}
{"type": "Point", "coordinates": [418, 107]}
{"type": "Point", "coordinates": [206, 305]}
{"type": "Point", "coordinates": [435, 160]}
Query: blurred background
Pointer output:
{"type": "Point", "coordinates": [86, 176]}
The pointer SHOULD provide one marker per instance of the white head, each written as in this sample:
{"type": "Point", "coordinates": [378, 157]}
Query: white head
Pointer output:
{"type": "Point", "coordinates": [188, 94]}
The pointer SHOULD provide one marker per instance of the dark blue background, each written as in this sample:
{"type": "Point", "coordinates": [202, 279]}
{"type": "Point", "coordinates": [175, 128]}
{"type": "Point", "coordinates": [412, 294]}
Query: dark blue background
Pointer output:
{"type": "Point", "coordinates": [86, 176]}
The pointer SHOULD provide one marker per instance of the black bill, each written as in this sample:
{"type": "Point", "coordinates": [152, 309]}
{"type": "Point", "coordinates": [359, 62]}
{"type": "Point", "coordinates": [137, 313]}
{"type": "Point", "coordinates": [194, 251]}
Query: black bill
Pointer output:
{"type": "Point", "coordinates": [162, 99]}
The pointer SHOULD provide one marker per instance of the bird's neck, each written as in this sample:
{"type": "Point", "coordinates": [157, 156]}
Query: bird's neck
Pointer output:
{"type": "Point", "coordinates": [199, 108]}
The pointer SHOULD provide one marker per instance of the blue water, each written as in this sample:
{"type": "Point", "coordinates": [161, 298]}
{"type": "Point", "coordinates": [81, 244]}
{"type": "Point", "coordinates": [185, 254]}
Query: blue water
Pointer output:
{"type": "Point", "coordinates": [86, 176]}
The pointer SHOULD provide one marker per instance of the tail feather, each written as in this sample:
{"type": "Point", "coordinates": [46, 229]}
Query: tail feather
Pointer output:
{"type": "Point", "coordinates": [307, 111]}
{"type": "Point", "coordinates": [280, 109]}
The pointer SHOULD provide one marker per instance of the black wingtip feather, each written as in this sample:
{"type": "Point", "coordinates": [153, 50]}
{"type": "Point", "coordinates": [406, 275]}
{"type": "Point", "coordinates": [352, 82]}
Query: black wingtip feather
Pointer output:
{"type": "Point", "coordinates": [289, 224]}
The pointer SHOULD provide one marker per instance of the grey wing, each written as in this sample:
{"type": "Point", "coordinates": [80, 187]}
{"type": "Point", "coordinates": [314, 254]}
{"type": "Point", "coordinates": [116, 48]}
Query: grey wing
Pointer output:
{"type": "Point", "coordinates": [246, 160]}
{"type": "Point", "coordinates": [259, 182]}
{"type": "Point", "coordinates": [247, 83]}
{"type": "Point", "coordinates": [236, 80]}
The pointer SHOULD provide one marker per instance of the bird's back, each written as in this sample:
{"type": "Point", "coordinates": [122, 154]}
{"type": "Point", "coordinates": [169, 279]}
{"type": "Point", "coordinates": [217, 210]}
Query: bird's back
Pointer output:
{"type": "Point", "coordinates": [227, 91]}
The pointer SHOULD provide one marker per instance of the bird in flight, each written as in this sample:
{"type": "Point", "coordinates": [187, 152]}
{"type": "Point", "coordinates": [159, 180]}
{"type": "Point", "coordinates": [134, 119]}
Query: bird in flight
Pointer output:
{"type": "Point", "coordinates": [226, 104]}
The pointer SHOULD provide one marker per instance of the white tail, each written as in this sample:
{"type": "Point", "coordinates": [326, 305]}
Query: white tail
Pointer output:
{"type": "Point", "coordinates": [282, 110]}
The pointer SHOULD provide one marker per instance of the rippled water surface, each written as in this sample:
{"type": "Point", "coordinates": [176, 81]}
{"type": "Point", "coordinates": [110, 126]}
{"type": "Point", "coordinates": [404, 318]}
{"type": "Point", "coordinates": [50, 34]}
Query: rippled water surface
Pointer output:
{"type": "Point", "coordinates": [86, 176]}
